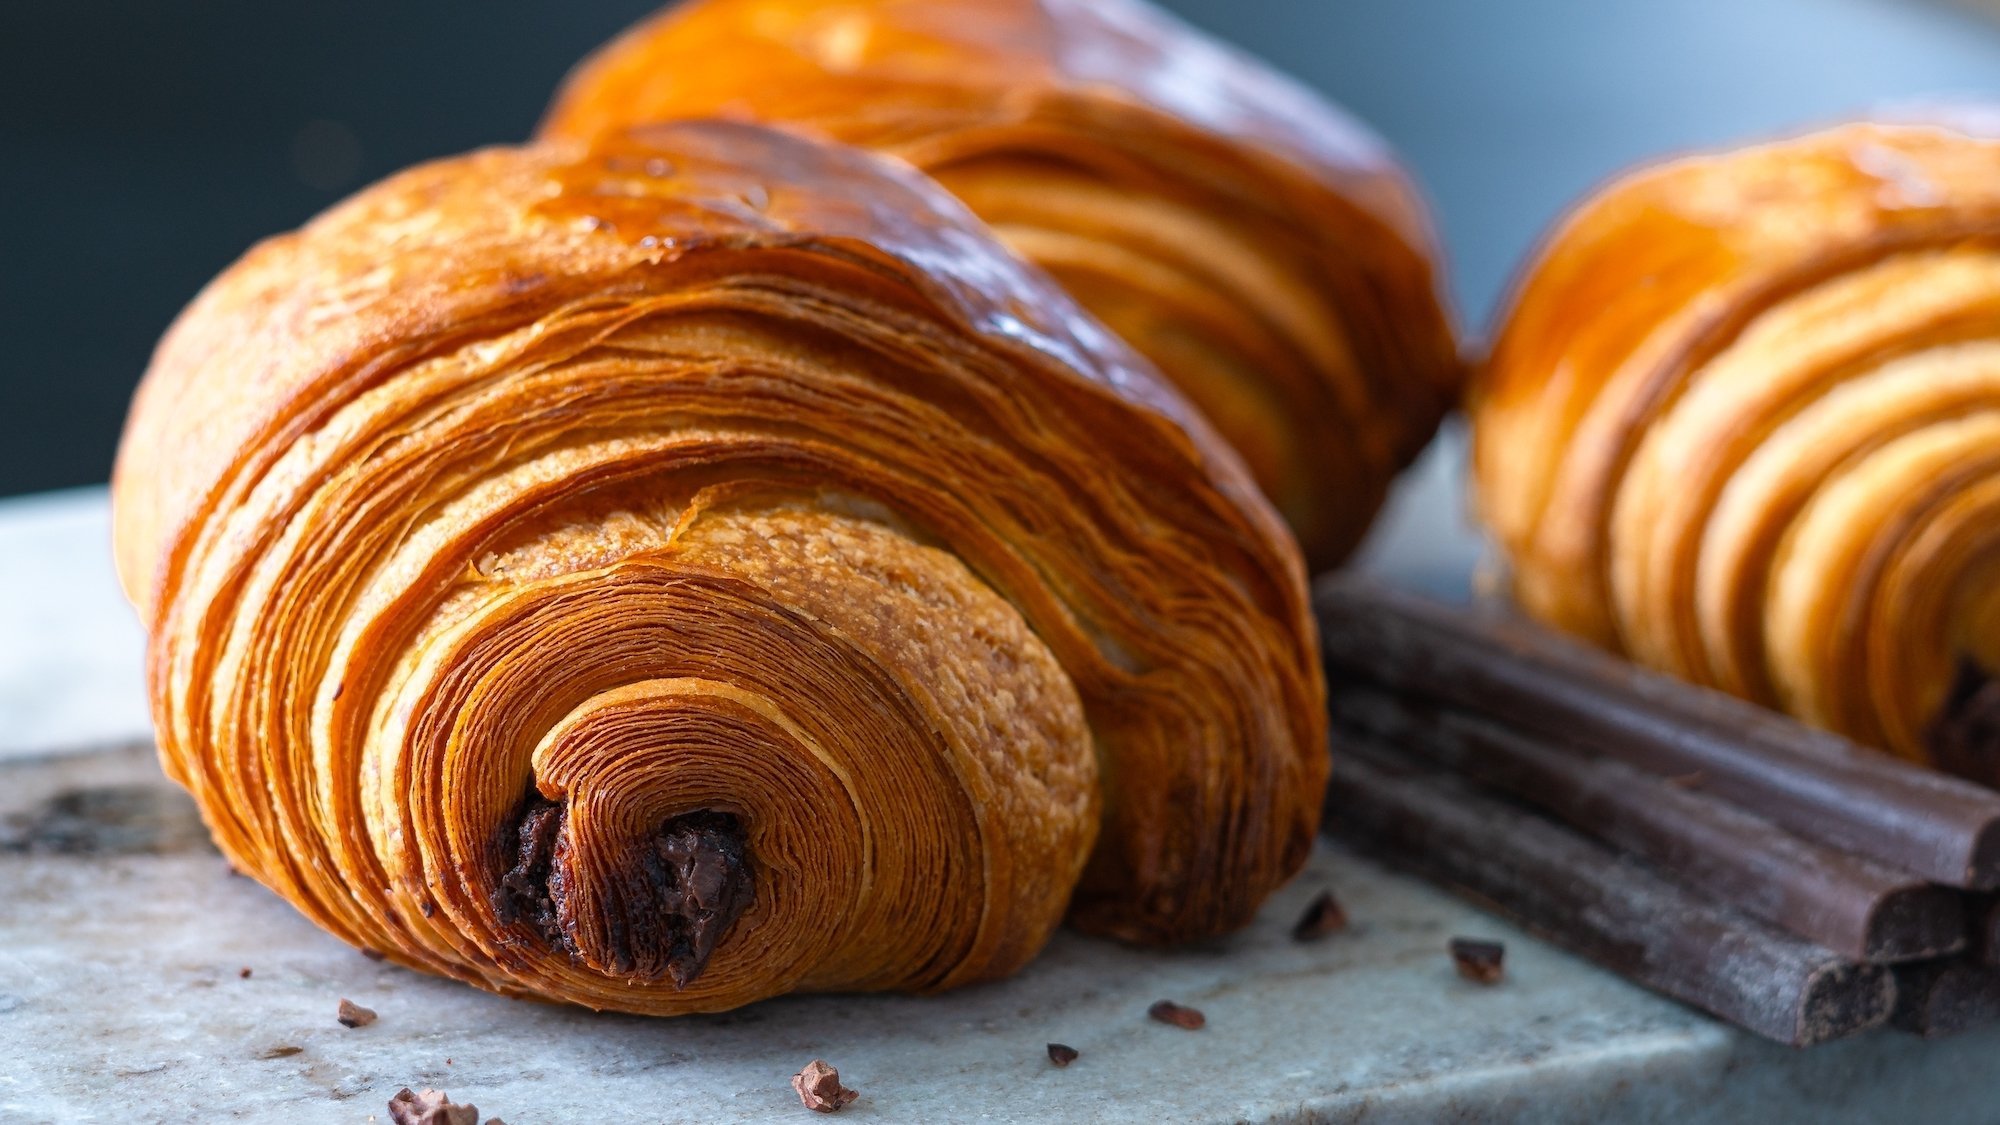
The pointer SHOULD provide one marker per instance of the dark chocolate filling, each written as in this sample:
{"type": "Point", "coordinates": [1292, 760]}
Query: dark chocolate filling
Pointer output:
{"type": "Point", "coordinates": [664, 916]}
{"type": "Point", "coordinates": [1964, 737]}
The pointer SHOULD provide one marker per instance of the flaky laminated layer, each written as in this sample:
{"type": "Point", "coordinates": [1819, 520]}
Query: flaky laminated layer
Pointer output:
{"type": "Point", "coordinates": [699, 566]}
{"type": "Point", "coordinates": [1743, 422]}
{"type": "Point", "coordinates": [1262, 248]}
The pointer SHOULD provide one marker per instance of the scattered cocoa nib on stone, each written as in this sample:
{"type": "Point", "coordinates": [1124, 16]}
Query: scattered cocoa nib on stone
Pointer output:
{"type": "Point", "coordinates": [819, 1088]}
{"type": "Point", "coordinates": [432, 1107]}
{"type": "Point", "coordinates": [1323, 916]}
{"type": "Point", "coordinates": [281, 1051]}
{"type": "Point", "coordinates": [244, 972]}
{"type": "Point", "coordinates": [374, 954]}
{"type": "Point", "coordinates": [1062, 1054]}
{"type": "Point", "coordinates": [1180, 1015]}
{"type": "Point", "coordinates": [351, 1014]}
{"type": "Point", "coordinates": [1482, 962]}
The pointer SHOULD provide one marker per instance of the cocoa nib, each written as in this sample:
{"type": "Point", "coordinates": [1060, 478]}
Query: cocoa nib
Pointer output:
{"type": "Point", "coordinates": [819, 1088]}
{"type": "Point", "coordinates": [1062, 1054]}
{"type": "Point", "coordinates": [1180, 1015]}
{"type": "Point", "coordinates": [281, 1051]}
{"type": "Point", "coordinates": [432, 1107]}
{"type": "Point", "coordinates": [351, 1014]}
{"type": "Point", "coordinates": [1479, 961]}
{"type": "Point", "coordinates": [1323, 916]}
{"type": "Point", "coordinates": [693, 880]}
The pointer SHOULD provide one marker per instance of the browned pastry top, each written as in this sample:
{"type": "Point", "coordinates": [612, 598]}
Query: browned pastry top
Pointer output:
{"type": "Point", "coordinates": [699, 565]}
{"type": "Point", "coordinates": [1258, 245]}
{"type": "Point", "coordinates": [1735, 422]}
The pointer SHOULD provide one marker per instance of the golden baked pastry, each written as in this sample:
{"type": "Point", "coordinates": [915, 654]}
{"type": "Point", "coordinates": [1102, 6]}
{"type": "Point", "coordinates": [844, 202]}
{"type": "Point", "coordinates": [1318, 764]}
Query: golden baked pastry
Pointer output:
{"type": "Point", "coordinates": [1258, 245]}
{"type": "Point", "coordinates": [700, 566]}
{"type": "Point", "coordinates": [1743, 423]}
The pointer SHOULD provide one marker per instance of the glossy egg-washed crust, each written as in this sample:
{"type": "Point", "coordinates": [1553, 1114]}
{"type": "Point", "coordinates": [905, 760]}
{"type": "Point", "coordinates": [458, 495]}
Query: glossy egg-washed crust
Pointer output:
{"type": "Point", "coordinates": [706, 481]}
{"type": "Point", "coordinates": [1743, 422]}
{"type": "Point", "coordinates": [1259, 246]}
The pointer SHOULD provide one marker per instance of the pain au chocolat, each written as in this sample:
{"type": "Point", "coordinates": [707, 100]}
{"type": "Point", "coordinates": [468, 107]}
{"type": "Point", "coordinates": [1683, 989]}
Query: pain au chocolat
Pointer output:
{"type": "Point", "coordinates": [696, 566]}
{"type": "Point", "coordinates": [1262, 248]}
{"type": "Point", "coordinates": [1743, 423]}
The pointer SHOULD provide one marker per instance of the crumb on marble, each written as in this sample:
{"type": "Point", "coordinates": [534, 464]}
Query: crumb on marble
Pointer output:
{"type": "Point", "coordinates": [819, 1088]}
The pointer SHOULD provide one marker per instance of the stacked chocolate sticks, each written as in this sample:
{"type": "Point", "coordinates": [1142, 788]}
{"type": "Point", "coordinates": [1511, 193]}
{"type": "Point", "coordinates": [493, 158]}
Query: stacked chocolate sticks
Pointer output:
{"type": "Point", "coordinates": [1784, 879]}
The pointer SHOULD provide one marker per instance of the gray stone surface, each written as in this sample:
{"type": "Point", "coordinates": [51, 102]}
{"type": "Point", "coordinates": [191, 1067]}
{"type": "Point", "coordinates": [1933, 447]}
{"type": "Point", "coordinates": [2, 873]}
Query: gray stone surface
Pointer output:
{"type": "Point", "coordinates": [70, 648]}
{"type": "Point", "coordinates": [122, 937]}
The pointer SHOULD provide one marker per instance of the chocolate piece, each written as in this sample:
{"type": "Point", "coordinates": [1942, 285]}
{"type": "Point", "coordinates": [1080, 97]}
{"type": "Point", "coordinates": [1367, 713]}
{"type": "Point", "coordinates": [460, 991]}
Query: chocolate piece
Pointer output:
{"type": "Point", "coordinates": [1582, 896]}
{"type": "Point", "coordinates": [1964, 736]}
{"type": "Point", "coordinates": [1856, 907]}
{"type": "Point", "coordinates": [244, 972]}
{"type": "Point", "coordinates": [1180, 1015]}
{"type": "Point", "coordinates": [1939, 998]}
{"type": "Point", "coordinates": [1323, 916]}
{"type": "Point", "coordinates": [694, 880]}
{"type": "Point", "coordinates": [531, 891]}
{"type": "Point", "coordinates": [351, 1014]}
{"type": "Point", "coordinates": [819, 1088]}
{"type": "Point", "coordinates": [1481, 962]}
{"type": "Point", "coordinates": [1063, 1054]}
{"type": "Point", "coordinates": [707, 886]}
{"type": "Point", "coordinates": [1816, 785]}
{"type": "Point", "coordinates": [432, 1107]}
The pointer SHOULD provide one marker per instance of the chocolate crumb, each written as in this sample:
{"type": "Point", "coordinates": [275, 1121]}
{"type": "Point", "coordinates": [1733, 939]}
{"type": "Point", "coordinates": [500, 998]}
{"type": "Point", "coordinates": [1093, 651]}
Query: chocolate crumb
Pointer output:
{"type": "Point", "coordinates": [281, 1051]}
{"type": "Point", "coordinates": [1479, 961]}
{"type": "Point", "coordinates": [1322, 917]}
{"type": "Point", "coordinates": [1062, 1054]}
{"type": "Point", "coordinates": [1180, 1015]}
{"type": "Point", "coordinates": [819, 1088]}
{"type": "Point", "coordinates": [374, 954]}
{"type": "Point", "coordinates": [244, 972]}
{"type": "Point", "coordinates": [432, 1107]}
{"type": "Point", "coordinates": [351, 1014]}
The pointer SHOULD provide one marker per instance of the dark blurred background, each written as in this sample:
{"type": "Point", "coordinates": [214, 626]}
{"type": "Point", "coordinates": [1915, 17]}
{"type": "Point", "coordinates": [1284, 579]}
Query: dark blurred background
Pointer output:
{"type": "Point", "coordinates": [145, 143]}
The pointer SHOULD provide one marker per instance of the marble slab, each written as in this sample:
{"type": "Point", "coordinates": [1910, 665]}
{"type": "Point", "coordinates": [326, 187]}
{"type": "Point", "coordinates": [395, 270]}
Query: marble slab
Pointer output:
{"type": "Point", "coordinates": [123, 939]}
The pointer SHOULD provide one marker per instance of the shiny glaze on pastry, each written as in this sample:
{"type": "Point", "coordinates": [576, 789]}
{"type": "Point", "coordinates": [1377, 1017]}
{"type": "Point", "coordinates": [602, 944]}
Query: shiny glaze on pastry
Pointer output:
{"type": "Point", "coordinates": [1258, 245]}
{"type": "Point", "coordinates": [1743, 423]}
{"type": "Point", "coordinates": [700, 566]}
